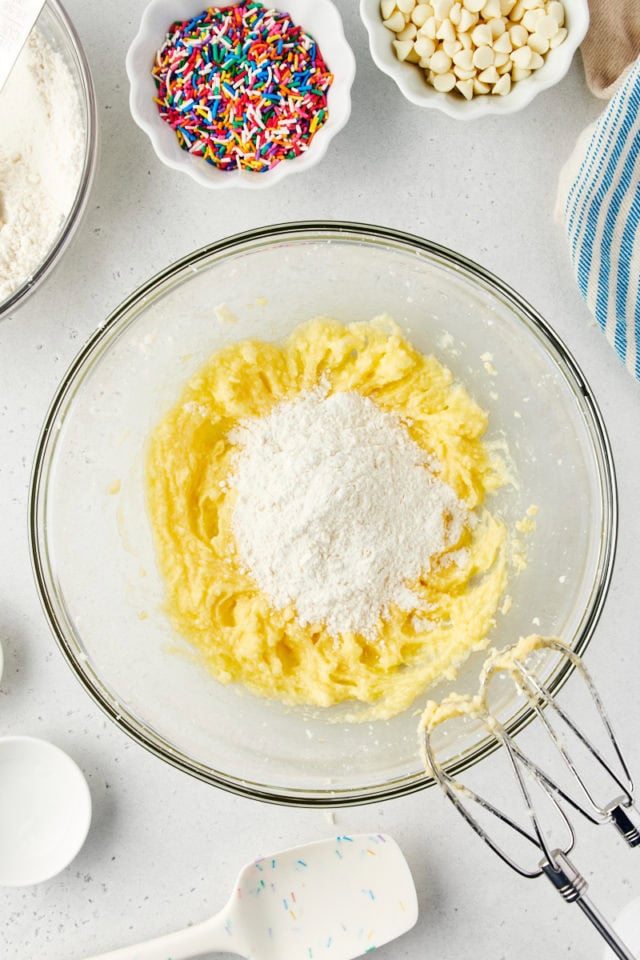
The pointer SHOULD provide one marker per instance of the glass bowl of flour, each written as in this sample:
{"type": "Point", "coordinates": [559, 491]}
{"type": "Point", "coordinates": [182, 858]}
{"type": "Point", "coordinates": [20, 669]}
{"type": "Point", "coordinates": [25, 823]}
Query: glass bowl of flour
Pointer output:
{"type": "Point", "coordinates": [47, 154]}
{"type": "Point", "coordinates": [91, 537]}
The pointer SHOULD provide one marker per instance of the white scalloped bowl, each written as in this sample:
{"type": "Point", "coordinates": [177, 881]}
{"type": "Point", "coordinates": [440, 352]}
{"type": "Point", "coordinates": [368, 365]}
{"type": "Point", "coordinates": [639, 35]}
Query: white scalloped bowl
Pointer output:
{"type": "Point", "coordinates": [319, 18]}
{"type": "Point", "coordinates": [415, 88]}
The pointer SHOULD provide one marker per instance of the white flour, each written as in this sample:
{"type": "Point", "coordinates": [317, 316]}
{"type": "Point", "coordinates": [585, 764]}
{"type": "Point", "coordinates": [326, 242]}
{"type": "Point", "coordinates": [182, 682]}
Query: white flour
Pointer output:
{"type": "Point", "coordinates": [41, 157]}
{"type": "Point", "coordinates": [337, 510]}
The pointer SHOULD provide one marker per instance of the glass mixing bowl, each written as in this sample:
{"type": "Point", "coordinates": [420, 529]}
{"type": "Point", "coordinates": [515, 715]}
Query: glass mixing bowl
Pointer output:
{"type": "Point", "coordinates": [91, 541]}
{"type": "Point", "coordinates": [56, 27]}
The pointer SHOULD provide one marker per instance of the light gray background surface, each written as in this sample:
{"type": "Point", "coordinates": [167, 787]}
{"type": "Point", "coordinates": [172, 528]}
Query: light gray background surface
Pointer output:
{"type": "Point", "coordinates": [164, 849]}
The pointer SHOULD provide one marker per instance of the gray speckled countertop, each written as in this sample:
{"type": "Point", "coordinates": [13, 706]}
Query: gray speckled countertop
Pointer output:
{"type": "Point", "coordinates": [164, 849]}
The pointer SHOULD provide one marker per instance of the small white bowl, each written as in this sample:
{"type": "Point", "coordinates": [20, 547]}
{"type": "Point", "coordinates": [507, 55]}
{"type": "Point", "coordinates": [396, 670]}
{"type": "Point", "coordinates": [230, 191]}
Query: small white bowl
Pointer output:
{"type": "Point", "coordinates": [415, 88]}
{"type": "Point", "coordinates": [45, 810]}
{"type": "Point", "coordinates": [319, 18]}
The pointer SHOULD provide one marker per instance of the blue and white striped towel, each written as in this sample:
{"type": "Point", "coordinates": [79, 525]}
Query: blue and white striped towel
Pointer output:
{"type": "Point", "coordinates": [599, 202]}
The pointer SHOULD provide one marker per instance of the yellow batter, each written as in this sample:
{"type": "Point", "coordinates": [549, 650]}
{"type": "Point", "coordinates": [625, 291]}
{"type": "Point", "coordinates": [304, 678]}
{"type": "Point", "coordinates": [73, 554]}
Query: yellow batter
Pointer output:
{"type": "Point", "coordinates": [476, 706]}
{"type": "Point", "coordinates": [218, 608]}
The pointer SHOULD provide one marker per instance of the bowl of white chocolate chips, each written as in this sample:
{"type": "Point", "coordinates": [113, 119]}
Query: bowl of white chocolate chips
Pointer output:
{"type": "Point", "coordinates": [470, 58]}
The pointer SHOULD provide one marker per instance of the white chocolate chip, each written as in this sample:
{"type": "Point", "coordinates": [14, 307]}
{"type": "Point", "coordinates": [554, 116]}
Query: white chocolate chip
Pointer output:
{"type": "Point", "coordinates": [480, 87]}
{"type": "Point", "coordinates": [522, 57]}
{"type": "Point", "coordinates": [463, 59]}
{"type": "Point", "coordinates": [406, 6]}
{"type": "Point", "coordinates": [451, 47]}
{"type": "Point", "coordinates": [424, 47]}
{"type": "Point", "coordinates": [464, 74]}
{"type": "Point", "coordinates": [386, 8]}
{"type": "Point", "coordinates": [455, 13]}
{"type": "Point", "coordinates": [429, 28]}
{"type": "Point", "coordinates": [518, 73]}
{"type": "Point", "coordinates": [441, 8]}
{"type": "Point", "coordinates": [506, 6]}
{"type": "Point", "coordinates": [412, 57]}
{"type": "Point", "coordinates": [547, 26]}
{"type": "Point", "coordinates": [500, 59]}
{"type": "Point", "coordinates": [444, 82]}
{"type": "Point", "coordinates": [409, 33]}
{"type": "Point", "coordinates": [538, 43]}
{"type": "Point", "coordinates": [446, 31]}
{"type": "Point", "coordinates": [490, 75]}
{"type": "Point", "coordinates": [491, 9]}
{"type": "Point", "coordinates": [467, 20]}
{"type": "Point", "coordinates": [395, 22]}
{"type": "Point", "coordinates": [559, 38]}
{"type": "Point", "coordinates": [518, 35]}
{"type": "Point", "coordinates": [556, 10]}
{"type": "Point", "coordinates": [530, 19]}
{"type": "Point", "coordinates": [466, 88]}
{"type": "Point", "coordinates": [483, 58]}
{"type": "Point", "coordinates": [481, 36]}
{"type": "Point", "coordinates": [421, 13]}
{"type": "Point", "coordinates": [440, 62]}
{"type": "Point", "coordinates": [536, 61]}
{"type": "Point", "coordinates": [474, 6]}
{"type": "Point", "coordinates": [498, 26]}
{"type": "Point", "coordinates": [403, 48]}
{"type": "Point", "coordinates": [503, 44]}
{"type": "Point", "coordinates": [517, 11]}
{"type": "Point", "coordinates": [502, 87]}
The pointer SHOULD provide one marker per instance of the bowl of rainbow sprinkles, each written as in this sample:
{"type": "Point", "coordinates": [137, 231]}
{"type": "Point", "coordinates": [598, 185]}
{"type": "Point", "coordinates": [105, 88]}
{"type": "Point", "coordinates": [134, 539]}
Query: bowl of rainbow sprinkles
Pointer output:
{"type": "Point", "coordinates": [240, 94]}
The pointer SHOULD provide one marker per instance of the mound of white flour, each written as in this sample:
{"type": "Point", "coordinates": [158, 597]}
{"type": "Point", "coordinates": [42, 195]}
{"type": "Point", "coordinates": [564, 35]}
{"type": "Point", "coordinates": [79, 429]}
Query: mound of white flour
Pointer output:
{"type": "Point", "coordinates": [41, 158]}
{"type": "Point", "coordinates": [337, 510]}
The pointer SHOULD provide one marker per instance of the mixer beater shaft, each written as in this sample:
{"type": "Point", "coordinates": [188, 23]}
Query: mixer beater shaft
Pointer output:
{"type": "Point", "coordinates": [554, 863]}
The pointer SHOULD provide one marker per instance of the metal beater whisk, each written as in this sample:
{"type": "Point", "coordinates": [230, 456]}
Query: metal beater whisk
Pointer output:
{"type": "Point", "coordinates": [554, 862]}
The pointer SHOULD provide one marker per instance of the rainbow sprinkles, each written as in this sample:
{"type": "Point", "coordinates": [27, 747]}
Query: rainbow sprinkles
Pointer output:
{"type": "Point", "coordinates": [242, 86]}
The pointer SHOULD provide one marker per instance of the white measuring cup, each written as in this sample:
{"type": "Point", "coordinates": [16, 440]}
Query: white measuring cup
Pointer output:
{"type": "Point", "coordinates": [335, 898]}
{"type": "Point", "coordinates": [45, 810]}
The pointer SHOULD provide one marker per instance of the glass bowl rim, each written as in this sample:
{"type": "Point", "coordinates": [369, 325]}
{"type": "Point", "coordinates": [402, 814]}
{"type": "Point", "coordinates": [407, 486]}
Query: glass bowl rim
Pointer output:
{"type": "Point", "coordinates": [74, 217]}
{"type": "Point", "coordinates": [322, 230]}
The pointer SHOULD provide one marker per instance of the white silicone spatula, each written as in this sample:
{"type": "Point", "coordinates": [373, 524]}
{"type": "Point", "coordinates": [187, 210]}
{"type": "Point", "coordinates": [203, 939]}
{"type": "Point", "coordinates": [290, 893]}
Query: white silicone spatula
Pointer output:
{"type": "Point", "coordinates": [334, 899]}
{"type": "Point", "coordinates": [17, 18]}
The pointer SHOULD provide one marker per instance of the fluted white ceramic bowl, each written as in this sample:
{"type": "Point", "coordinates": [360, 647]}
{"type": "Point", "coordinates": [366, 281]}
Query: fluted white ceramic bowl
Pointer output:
{"type": "Point", "coordinates": [319, 18]}
{"type": "Point", "coordinates": [412, 83]}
